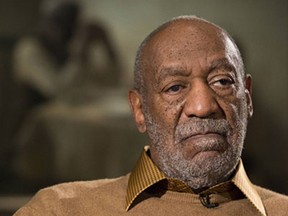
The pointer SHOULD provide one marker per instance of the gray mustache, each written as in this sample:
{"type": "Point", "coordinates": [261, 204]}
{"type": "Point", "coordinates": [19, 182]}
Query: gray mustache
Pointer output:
{"type": "Point", "coordinates": [195, 126]}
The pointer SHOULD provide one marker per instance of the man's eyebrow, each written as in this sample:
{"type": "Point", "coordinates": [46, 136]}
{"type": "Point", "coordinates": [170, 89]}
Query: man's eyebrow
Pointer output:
{"type": "Point", "coordinates": [222, 63]}
{"type": "Point", "coordinates": [172, 71]}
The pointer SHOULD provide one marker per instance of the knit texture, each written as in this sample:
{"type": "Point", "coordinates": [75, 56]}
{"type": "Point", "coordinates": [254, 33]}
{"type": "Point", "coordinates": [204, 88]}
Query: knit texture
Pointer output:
{"type": "Point", "coordinates": [107, 197]}
{"type": "Point", "coordinates": [146, 191]}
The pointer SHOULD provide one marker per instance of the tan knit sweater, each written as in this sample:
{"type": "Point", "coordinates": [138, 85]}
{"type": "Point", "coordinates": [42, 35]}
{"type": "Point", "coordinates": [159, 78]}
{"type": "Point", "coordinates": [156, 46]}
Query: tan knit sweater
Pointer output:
{"type": "Point", "coordinates": [107, 197]}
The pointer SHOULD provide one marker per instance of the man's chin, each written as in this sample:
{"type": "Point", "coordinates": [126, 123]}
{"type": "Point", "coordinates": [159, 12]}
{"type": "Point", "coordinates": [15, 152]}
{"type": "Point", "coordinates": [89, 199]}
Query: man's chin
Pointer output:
{"type": "Point", "coordinates": [202, 156]}
{"type": "Point", "coordinates": [206, 155]}
{"type": "Point", "coordinates": [204, 163]}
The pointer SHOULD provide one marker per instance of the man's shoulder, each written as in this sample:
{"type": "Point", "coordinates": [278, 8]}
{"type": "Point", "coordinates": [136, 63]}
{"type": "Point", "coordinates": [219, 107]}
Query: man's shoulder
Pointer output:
{"type": "Point", "coordinates": [267, 194]}
{"type": "Point", "coordinates": [76, 196]}
{"type": "Point", "coordinates": [78, 188]}
{"type": "Point", "coordinates": [273, 201]}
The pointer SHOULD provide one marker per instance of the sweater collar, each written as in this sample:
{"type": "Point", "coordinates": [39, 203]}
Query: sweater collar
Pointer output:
{"type": "Point", "coordinates": [146, 174]}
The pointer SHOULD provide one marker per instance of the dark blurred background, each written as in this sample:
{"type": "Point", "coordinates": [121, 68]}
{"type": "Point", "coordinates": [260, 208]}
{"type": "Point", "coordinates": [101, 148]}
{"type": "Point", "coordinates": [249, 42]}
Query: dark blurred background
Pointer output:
{"type": "Point", "coordinates": [82, 129]}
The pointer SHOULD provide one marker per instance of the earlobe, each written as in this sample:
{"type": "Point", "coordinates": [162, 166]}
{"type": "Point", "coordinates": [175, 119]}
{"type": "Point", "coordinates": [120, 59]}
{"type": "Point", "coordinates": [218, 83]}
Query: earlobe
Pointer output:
{"type": "Point", "coordinates": [248, 92]}
{"type": "Point", "coordinates": [135, 102]}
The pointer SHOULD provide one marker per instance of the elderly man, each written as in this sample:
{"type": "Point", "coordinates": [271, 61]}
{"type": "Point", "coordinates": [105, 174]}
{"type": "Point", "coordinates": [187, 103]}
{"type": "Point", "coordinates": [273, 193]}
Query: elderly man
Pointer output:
{"type": "Point", "coordinates": [193, 98]}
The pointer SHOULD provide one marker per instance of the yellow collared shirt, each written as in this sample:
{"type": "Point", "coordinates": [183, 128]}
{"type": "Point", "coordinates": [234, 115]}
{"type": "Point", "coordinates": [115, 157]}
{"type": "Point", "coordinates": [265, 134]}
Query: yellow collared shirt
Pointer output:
{"type": "Point", "coordinates": [147, 174]}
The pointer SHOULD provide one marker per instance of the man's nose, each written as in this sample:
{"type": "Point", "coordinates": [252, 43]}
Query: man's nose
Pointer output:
{"type": "Point", "coordinates": [201, 102]}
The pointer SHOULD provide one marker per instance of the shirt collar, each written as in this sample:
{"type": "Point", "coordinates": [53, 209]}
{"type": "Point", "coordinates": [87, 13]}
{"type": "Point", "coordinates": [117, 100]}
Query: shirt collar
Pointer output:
{"type": "Point", "coordinates": [242, 181]}
{"type": "Point", "coordinates": [146, 174]}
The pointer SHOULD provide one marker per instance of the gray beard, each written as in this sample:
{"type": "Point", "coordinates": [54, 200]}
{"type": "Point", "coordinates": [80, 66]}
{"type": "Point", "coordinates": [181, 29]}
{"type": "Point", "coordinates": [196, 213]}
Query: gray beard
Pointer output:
{"type": "Point", "coordinates": [197, 173]}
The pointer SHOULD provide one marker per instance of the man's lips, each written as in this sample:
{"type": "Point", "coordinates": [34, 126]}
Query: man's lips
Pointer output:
{"type": "Point", "coordinates": [205, 142]}
{"type": "Point", "coordinates": [206, 135]}
{"type": "Point", "coordinates": [202, 128]}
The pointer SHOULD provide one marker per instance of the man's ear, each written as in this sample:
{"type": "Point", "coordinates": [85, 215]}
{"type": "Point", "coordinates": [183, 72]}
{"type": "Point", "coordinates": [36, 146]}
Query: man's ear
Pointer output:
{"type": "Point", "coordinates": [248, 92]}
{"type": "Point", "coordinates": [136, 102]}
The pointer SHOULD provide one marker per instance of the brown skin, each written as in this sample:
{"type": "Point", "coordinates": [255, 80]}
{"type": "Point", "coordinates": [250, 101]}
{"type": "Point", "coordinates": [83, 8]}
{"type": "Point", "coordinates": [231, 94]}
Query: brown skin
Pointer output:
{"type": "Point", "coordinates": [196, 102]}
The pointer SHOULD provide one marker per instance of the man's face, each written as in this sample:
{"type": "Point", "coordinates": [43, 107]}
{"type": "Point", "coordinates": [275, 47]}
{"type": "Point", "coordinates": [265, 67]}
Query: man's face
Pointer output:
{"type": "Point", "coordinates": [195, 105]}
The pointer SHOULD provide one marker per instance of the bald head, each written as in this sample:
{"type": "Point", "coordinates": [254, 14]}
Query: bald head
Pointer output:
{"type": "Point", "coordinates": [186, 30]}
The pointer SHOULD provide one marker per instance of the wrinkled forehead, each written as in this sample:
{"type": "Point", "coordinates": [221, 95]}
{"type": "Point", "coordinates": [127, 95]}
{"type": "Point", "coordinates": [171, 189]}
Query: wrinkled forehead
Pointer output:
{"type": "Point", "coordinates": [184, 37]}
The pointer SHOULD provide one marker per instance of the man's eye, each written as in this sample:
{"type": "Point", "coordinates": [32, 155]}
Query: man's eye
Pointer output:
{"type": "Point", "coordinates": [223, 82]}
{"type": "Point", "coordinates": [174, 89]}
{"type": "Point", "coordinates": [226, 81]}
